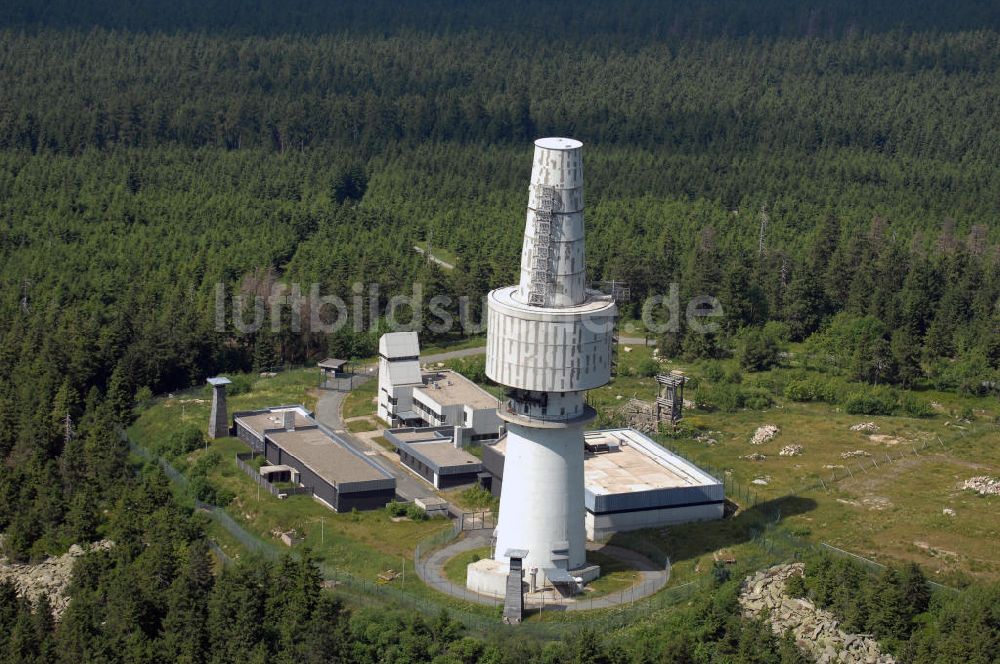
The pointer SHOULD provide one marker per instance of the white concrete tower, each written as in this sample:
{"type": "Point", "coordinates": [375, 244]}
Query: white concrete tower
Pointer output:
{"type": "Point", "coordinates": [549, 340]}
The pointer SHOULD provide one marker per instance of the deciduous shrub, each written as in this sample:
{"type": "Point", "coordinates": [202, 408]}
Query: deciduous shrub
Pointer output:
{"type": "Point", "coordinates": [871, 402]}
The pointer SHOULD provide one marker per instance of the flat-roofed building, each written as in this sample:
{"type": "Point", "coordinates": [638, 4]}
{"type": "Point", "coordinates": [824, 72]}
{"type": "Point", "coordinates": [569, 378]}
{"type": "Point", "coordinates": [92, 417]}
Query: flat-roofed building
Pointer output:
{"type": "Point", "coordinates": [339, 476]}
{"type": "Point", "coordinates": [431, 453]}
{"type": "Point", "coordinates": [447, 398]}
{"type": "Point", "coordinates": [631, 482]}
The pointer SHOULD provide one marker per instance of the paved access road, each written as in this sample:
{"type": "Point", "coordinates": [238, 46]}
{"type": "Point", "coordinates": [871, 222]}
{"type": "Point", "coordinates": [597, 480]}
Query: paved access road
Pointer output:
{"type": "Point", "coordinates": [328, 412]}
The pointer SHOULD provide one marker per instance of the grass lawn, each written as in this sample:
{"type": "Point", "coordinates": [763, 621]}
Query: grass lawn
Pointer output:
{"type": "Point", "coordinates": [454, 569]}
{"type": "Point", "coordinates": [615, 575]}
{"type": "Point", "coordinates": [361, 400]}
{"type": "Point", "coordinates": [892, 514]}
{"type": "Point", "coordinates": [359, 426]}
{"type": "Point", "coordinates": [440, 253]}
{"type": "Point", "coordinates": [165, 414]}
{"type": "Point", "coordinates": [384, 443]}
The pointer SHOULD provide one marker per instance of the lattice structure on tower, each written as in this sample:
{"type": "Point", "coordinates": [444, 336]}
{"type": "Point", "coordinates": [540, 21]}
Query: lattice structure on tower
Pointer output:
{"type": "Point", "coordinates": [620, 293]}
{"type": "Point", "coordinates": [541, 261]}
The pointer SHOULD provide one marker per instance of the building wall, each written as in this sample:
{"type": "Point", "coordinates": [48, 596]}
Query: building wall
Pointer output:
{"type": "Point", "coordinates": [493, 464]}
{"type": "Point", "coordinates": [482, 421]}
{"type": "Point", "coordinates": [600, 526]}
{"type": "Point", "coordinates": [445, 481]}
{"type": "Point", "coordinates": [458, 479]}
{"type": "Point", "coordinates": [328, 492]}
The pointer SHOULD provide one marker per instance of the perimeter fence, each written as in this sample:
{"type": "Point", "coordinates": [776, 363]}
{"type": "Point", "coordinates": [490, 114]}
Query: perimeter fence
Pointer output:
{"type": "Point", "coordinates": [482, 615]}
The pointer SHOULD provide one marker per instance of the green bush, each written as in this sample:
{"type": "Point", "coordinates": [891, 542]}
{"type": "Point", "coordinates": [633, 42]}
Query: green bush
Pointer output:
{"type": "Point", "coordinates": [143, 396]}
{"type": "Point", "coordinates": [795, 586]}
{"type": "Point", "coordinates": [871, 402]}
{"type": "Point", "coordinates": [757, 350]}
{"type": "Point", "coordinates": [241, 384]}
{"type": "Point", "coordinates": [415, 513]}
{"type": "Point", "coordinates": [647, 368]}
{"type": "Point", "coordinates": [182, 441]}
{"type": "Point", "coordinates": [714, 371]}
{"type": "Point", "coordinates": [915, 407]}
{"type": "Point", "coordinates": [757, 398]}
{"type": "Point", "coordinates": [395, 508]}
{"type": "Point", "coordinates": [801, 390]}
{"type": "Point", "coordinates": [727, 397]}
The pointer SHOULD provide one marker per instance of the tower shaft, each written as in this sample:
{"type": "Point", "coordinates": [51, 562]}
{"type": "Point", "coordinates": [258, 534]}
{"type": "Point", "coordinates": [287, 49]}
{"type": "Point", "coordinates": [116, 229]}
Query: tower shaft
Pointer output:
{"type": "Point", "coordinates": [549, 340]}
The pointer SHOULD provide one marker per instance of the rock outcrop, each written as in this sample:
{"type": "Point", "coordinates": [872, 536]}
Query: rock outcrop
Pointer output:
{"type": "Point", "coordinates": [983, 485]}
{"type": "Point", "coordinates": [50, 577]}
{"type": "Point", "coordinates": [816, 631]}
{"type": "Point", "coordinates": [764, 434]}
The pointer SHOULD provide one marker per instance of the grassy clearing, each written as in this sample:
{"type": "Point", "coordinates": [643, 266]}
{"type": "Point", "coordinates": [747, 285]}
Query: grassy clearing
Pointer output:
{"type": "Point", "coordinates": [360, 426]}
{"type": "Point", "coordinates": [454, 569]}
{"type": "Point", "coordinates": [616, 575]}
{"type": "Point", "coordinates": [166, 414]}
{"type": "Point", "coordinates": [892, 514]}
{"type": "Point", "coordinates": [459, 344]}
{"type": "Point", "coordinates": [472, 499]}
{"type": "Point", "coordinates": [361, 400]}
{"type": "Point", "coordinates": [441, 253]}
{"type": "Point", "coordinates": [380, 440]}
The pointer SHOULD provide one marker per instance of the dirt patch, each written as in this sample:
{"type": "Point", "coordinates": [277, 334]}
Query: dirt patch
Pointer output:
{"type": "Point", "coordinates": [887, 440]}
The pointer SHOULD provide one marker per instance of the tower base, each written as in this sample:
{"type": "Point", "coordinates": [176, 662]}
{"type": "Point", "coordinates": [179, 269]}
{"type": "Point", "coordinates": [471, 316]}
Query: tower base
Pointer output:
{"type": "Point", "coordinates": [489, 577]}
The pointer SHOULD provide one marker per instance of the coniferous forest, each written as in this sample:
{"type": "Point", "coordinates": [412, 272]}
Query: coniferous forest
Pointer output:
{"type": "Point", "coordinates": [826, 169]}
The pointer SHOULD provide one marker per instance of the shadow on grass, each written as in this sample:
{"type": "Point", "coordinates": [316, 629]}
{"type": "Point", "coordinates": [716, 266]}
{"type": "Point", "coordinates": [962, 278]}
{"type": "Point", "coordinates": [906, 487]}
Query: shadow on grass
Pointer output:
{"type": "Point", "coordinates": [692, 540]}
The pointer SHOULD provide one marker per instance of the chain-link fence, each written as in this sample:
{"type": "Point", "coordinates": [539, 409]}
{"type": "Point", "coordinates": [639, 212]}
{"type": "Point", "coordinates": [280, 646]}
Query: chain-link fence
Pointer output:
{"type": "Point", "coordinates": [481, 613]}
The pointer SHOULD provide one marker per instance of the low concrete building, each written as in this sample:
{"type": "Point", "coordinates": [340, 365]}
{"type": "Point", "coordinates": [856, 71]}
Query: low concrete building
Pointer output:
{"type": "Point", "coordinates": [411, 397]}
{"type": "Point", "coordinates": [631, 482]}
{"type": "Point", "coordinates": [339, 476]}
{"type": "Point", "coordinates": [431, 453]}
{"type": "Point", "coordinates": [449, 398]}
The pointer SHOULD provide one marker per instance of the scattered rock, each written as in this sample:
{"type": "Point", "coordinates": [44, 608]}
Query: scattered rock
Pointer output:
{"type": "Point", "coordinates": [707, 440]}
{"type": "Point", "coordinates": [761, 480]}
{"type": "Point", "coordinates": [865, 427]}
{"type": "Point", "coordinates": [50, 577]}
{"type": "Point", "coordinates": [756, 456]}
{"type": "Point", "coordinates": [764, 434]}
{"type": "Point", "coordinates": [790, 450]}
{"type": "Point", "coordinates": [817, 632]}
{"type": "Point", "coordinates": [877, 503]}
{"type": "Point", "coordinates": [854, 453]}
{"type": "Point", "coordinates": [983, 485]}
{"type": "Point", "coordinates": [948, 511]}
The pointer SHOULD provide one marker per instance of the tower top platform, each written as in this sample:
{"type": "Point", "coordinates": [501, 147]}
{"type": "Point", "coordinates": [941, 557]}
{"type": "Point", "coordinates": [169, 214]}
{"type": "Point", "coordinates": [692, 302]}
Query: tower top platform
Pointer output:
{"type": "Point", "coordinates": [558, 143]}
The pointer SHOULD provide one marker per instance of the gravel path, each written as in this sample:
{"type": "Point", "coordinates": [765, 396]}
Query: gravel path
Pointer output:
{"type": "Point", "coordinates": [651, 577]}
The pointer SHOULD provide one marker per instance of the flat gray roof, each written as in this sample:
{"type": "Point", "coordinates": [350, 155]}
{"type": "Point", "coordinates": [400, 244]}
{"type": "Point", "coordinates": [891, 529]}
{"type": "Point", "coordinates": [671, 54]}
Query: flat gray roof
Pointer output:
{"type": "Point", "coordinates": [444, 453]}
{"type": "Point", "coordinates": [636, 463]}
{"type": "Point", "coordinates": [325, 456]}
{"type": "Point", "coordinates": [449, 388]}
{"type": "Point", "coordinates": [273, 419]}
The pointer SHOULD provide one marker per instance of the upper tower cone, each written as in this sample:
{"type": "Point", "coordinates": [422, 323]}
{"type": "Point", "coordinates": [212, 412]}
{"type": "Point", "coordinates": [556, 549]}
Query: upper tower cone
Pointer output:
{"type": "Point", "coordinates": [553, 268]}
